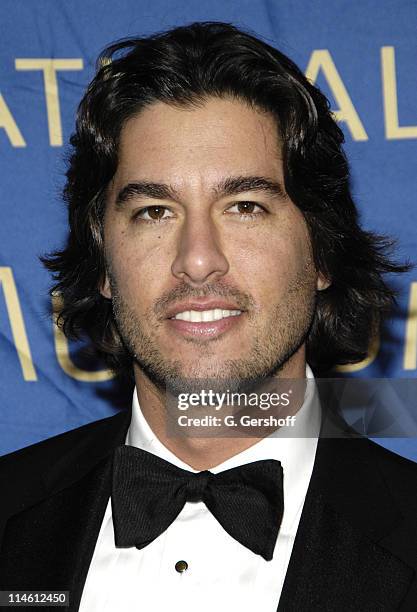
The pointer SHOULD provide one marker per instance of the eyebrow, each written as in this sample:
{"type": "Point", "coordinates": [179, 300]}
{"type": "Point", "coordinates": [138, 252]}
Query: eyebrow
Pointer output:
{"type": "Point", "coordinates": [227, 187]}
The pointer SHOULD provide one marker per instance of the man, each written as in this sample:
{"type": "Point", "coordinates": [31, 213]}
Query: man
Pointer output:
{"type": "Point", "coordinates": [213, 239]}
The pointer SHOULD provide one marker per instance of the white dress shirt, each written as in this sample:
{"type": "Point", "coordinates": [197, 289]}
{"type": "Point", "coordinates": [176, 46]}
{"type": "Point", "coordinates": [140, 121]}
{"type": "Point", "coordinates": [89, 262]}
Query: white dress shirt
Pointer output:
{"type": "Point", "coordinates": [222, 574]}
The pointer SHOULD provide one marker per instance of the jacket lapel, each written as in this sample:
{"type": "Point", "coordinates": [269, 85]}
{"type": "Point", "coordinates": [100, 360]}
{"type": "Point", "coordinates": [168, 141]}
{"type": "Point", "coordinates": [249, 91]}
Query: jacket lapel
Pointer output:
{"type": "Point", "coordinates": [49, 544]}
{"type": "Point", "coordinates": [339, 559]}
{"type": "Point", "coordinates": [344, 555]}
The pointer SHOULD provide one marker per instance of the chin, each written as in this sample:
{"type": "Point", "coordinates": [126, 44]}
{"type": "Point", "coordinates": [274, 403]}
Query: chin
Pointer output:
{"type": "Point", "coordinates": [203, 371]}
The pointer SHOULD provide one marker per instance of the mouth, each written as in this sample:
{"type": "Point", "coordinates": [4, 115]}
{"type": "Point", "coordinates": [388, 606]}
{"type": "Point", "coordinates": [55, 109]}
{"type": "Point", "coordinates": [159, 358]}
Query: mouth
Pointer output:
{"type": "Point", "coordinates": [206, 316]}
{"type": "Point", "coordinates": [203, 320]}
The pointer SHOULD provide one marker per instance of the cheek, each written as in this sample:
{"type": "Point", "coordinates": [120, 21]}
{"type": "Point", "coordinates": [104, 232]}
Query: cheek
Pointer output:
{"type": "Point", "coordinates": [270, 262]}
{"type": "Point", "coordinates": [138, 268]}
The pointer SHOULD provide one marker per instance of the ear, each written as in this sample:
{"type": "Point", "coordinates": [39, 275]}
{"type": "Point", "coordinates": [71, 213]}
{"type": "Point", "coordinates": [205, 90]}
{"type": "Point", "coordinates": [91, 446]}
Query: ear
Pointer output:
{"type": "Point", "coordinates": [322, 282]}
{"type": "Point", "coordinates": [105, 288]}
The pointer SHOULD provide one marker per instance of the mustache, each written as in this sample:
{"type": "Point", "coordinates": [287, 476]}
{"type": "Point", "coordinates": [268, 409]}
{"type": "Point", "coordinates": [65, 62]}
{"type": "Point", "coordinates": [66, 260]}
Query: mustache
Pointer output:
{"type": "Point", "coordinates": [244, 301]}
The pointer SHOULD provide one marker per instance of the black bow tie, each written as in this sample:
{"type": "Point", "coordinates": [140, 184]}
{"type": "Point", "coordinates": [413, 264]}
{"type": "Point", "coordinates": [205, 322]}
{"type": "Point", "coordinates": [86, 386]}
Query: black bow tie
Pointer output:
{"type": "Point", "coordinates": [149, 493]}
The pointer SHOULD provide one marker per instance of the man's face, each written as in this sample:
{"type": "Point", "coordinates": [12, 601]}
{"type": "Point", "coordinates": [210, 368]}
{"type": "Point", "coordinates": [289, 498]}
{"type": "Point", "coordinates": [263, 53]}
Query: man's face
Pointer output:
{"type": "Point", "coordinates": [209, 262]}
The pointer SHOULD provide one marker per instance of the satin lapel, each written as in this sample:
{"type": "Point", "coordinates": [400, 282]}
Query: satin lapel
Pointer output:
{"type": "Point", "coordinates": [337, 561]}
{"type": "Point", "coordinates": [49, 545]}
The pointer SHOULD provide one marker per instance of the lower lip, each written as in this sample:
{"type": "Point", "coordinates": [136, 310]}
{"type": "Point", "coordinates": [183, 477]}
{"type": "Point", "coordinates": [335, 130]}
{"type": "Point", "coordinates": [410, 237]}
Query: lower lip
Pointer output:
{"type": "Point", "coordinates": [210, 329]}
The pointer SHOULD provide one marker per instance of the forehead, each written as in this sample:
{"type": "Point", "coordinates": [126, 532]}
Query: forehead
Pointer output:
{"type": "Point", "coordinates": [199, 145]}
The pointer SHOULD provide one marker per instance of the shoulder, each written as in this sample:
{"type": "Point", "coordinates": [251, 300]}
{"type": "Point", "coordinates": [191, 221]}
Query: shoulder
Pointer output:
{"type": "Point", "coordinates": [399, 475]}
{"type": "Point", "coordinates": [359, 474]}
{"type": "Point", "coordinates": [32, 473]}
{"type": "Point", "coordinates": [365, 462]}
{"type": "Point", "coordinates": [50, 447]}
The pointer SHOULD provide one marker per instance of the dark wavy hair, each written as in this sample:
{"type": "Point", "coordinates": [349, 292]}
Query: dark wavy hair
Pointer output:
{"type": "Point", "coordinates": [183, 66]}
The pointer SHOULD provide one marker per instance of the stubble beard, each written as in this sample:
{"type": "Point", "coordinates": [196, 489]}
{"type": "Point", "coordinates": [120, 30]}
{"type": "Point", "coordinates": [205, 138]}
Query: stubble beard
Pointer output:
{"type": "Point", "coordinates": [273, 344]}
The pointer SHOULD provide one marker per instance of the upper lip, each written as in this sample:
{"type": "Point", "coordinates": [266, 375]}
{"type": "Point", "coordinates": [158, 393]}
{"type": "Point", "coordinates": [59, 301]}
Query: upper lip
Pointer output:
{"type": "Point", "coordinates": [204, 304]}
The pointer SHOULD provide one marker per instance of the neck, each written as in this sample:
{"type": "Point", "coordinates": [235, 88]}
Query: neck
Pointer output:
{"type": "Point", "coordinates": [203, 453]}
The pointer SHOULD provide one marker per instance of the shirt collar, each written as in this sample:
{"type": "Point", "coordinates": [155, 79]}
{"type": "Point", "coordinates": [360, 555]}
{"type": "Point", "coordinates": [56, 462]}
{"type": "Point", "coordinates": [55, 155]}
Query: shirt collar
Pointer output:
{"type": "Point", "coordinates": [295, 448]}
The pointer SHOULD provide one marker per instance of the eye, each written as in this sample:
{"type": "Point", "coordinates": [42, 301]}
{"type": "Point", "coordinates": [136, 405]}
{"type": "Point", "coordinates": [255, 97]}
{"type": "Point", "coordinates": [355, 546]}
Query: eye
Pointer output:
{"type": "Point", "coordinates": [153, 214]}
{"type": "Point", "coordinates": [248, 209]}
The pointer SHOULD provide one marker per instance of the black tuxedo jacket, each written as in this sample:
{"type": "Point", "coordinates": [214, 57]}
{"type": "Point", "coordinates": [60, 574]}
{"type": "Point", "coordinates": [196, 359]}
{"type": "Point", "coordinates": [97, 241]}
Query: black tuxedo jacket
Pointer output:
{"type": "Point", "coordinates": [355, 549]}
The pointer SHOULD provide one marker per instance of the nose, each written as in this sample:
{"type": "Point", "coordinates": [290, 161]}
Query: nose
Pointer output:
{"type": "Point", "coordinates": [199, 258]}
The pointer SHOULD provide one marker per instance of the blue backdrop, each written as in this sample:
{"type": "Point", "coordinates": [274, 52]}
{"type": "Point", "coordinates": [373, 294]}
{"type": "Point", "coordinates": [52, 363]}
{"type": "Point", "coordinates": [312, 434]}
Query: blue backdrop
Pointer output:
{"type": "Point", "coordinates": [362, 54]}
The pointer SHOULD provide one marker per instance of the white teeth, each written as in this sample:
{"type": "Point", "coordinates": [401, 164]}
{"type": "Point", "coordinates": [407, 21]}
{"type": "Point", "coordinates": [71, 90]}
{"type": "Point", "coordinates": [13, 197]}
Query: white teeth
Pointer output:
{"type": "Point", "coordinates": [206, 316]}
{"type": "Point", "coordinates": [195, 317]}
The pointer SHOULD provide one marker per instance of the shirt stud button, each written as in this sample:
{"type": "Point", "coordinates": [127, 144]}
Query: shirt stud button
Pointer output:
{"type": "Point", "coordinates": [181, 566]}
